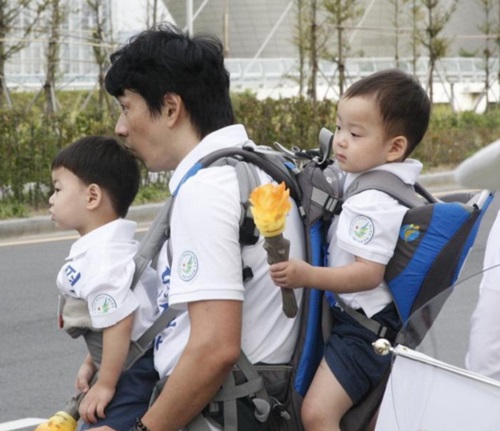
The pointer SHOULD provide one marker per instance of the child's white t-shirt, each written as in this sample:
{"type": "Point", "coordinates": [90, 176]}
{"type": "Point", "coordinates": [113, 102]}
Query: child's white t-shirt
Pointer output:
{"type": "Point", "coordinates": [368, 227]}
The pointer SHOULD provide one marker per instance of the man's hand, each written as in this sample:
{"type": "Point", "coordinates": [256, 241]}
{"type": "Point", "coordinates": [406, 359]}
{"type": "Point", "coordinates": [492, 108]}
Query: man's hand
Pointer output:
{"type": "Point", "coordinates": [85, 374]}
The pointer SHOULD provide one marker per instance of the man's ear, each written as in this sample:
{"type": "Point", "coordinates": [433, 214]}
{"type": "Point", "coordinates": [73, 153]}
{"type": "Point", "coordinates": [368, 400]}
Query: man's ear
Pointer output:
{"type": "Point", "coordinates": [399, 146]}
{"type": "Point", "coordinates": [94, 196]}
{"type": "Point", "coordinates": [172, 107]}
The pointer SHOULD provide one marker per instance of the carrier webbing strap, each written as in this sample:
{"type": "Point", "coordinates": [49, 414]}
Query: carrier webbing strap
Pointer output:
{"type": "Point", "coordinates": [374, 326]}
{"type": "Point", "coordinates": [152, 241]}
{"type": "Point", "coordinates": [406, 195]}
{"type": "Point", "coordinates": [231, 392]}
{"type": "Point", "coordinates": [391, 184]}
{"type": "Point", "coordinates": [141, 345]}
{"type": "Point", "coordinates": [149, 248]}
{"type": "Point", "coordinates": [248, 179]}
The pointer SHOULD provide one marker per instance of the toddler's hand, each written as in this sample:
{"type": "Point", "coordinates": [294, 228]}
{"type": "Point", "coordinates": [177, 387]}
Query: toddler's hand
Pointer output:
{"type": "Point", "coordinates": [94, 403]}
{"type": "Point", "coordinates": [290, 274]}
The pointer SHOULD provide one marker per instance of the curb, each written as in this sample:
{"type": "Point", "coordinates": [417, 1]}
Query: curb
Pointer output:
{"type": "Point", "coordinates": [144, 214]}
{"type": "Point", "coordinates": [38, 225]}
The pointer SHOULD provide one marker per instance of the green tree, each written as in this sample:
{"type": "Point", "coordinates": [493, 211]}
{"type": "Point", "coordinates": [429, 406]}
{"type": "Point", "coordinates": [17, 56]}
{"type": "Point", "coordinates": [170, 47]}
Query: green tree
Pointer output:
{"type": "Point", "coordinates": [301, 41]}
{"type": "Point", "coordinates": [58, 12]}
{"type": "Point", "coordinates": [488, 28]}
{"type": "Point", "coordinates": [416, 16]}
{"type": "Point", "coordinates": [437, 16]}
{"type": "Point", "coordinates": [100, 40]}
{"type": "Point", "coordinates": [18, 18]}
{"type": "Point", "coordinates": [398, 13]}
{"type": "Point", "coordinates": [342, 15]}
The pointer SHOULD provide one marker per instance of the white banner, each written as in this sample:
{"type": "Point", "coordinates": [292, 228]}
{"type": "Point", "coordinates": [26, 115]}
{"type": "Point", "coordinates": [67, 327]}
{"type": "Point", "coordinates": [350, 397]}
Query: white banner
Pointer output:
{"type": "Point", "coordinates": [424, 394]}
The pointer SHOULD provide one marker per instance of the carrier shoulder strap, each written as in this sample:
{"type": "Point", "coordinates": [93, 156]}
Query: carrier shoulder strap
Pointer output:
{"type": "Point", "coordinates": [152, 241]}
{"type": "Point", "coordinates": [391, 184]}
{"type": "Point", "coordinates": [149, 248]}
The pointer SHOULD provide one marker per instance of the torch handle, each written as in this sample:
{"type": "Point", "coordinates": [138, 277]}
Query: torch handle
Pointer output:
{"type": "Point", "coordinates": [278, 249]}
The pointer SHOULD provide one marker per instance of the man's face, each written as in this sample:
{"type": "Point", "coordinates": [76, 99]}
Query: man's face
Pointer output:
{"type": "Point", "coordinates": [145, 136]}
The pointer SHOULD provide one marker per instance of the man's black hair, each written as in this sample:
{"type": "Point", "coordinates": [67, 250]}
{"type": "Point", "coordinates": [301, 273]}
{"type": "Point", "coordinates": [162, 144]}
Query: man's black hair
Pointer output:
{"type": "Point", "coordinates": [166, 60]}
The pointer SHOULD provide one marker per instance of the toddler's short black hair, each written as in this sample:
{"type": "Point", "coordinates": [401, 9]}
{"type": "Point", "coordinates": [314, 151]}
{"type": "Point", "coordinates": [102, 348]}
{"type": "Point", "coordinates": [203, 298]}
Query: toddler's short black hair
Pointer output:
{"type": "Point", "coordinates": [104, 161]}
{"type": "Point", "coordinates": [403, 103]}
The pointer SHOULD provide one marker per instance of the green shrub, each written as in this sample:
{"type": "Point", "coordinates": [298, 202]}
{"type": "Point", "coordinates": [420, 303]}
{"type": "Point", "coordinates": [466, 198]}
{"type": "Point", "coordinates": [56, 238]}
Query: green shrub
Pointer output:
{"type": "Point", "coordinates": [11, 209]}
{"type": "Point", "coordinates": [29, 139]}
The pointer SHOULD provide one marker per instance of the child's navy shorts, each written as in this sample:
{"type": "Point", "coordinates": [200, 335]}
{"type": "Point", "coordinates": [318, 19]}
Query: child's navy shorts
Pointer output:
{"type": "Point", "coordinates": [131, 400]}
{"type": "Point", "coordinates": [350, 355]}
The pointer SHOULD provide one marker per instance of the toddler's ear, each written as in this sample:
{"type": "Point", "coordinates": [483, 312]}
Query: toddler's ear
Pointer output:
{"type": "Point", "coordinates": [397, 152]}
{"type": "Point", "coordinates": [94, 196]}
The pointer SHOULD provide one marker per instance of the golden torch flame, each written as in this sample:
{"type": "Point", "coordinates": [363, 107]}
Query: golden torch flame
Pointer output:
{"type": "Point", "coordinates": [270, 206]}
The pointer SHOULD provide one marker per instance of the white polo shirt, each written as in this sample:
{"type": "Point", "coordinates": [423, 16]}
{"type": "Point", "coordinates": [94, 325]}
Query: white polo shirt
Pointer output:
{"type": "Point", "coordinates": [368, 227]}
{"type": "Point", "coordinates": [99, 270]}
{"type": "Point", "coordinates": [207, 260]}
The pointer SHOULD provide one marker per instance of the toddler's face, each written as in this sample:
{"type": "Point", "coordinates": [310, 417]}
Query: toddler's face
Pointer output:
{"type": "Point", "coordinates": [69, 200]}
{"type": "Point", "coordinates": [360, 141]}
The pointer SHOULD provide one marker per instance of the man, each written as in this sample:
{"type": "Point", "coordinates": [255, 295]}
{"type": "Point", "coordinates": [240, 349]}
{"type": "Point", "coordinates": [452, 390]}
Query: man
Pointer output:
{"type": "Point", "coordinates": [176, 108]}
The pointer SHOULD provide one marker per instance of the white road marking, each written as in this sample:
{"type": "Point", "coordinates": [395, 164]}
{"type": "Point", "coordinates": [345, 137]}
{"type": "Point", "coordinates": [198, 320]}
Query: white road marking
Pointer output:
{"type": "Point", "coordinates": [20, 423]}
{"type": "Point", "coordinates": [44, 239]}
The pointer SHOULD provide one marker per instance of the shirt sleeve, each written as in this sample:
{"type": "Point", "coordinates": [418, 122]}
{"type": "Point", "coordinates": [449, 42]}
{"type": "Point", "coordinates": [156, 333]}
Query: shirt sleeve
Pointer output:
{"type": "Point", "coordinates": [369, 225]}
{"type": "Point", "coordinates": [206, 254]}
{"type": "Point", "coordinates": [107, 291]}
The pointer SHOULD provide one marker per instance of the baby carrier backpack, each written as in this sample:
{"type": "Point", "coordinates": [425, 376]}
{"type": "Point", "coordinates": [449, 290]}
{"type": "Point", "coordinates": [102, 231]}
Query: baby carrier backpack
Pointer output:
{"type": "Point", "coordinates": [435, 238]}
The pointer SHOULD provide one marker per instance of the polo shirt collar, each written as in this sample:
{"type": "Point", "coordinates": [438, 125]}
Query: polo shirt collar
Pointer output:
{"type": "Point", "coordinates": [230, 136]}
{"type": "Point", "coordinates": [120, 228]}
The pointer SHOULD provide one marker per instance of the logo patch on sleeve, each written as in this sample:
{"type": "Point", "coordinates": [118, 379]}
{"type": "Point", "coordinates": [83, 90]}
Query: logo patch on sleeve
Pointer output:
{"type": "Point", "coordinates": [103, 304]}
{"type": "Point", "coordinates": [188, 266]}
{"type": "Point", "coordinates": [361, 229]}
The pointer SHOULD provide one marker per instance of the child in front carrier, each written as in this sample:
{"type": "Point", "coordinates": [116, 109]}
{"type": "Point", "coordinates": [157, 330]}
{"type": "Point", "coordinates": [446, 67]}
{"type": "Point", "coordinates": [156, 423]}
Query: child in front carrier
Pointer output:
{"type": "Point", "coordinates": [95, 180]}
{"type": "Point", "coordinates": [380, 121]}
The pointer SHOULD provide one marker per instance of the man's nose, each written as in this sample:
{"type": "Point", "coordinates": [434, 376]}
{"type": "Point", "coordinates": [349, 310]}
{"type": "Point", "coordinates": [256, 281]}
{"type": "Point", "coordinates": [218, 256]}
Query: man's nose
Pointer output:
{"type": "Point", "coordinates": [120, 128]}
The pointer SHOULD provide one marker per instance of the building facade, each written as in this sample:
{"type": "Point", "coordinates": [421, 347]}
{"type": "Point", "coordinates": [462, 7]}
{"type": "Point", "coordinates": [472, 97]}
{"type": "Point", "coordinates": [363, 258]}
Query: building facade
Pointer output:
{"type": "Point", "coordinates": [120, 19]}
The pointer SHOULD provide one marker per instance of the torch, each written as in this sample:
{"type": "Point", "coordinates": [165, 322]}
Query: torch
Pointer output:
{"type": "Point", "coordinates": [60, 421]}
{"type": "Point", "coordinates": [270, 206]}
{"type": "Point", "coordinates": [65, 420]}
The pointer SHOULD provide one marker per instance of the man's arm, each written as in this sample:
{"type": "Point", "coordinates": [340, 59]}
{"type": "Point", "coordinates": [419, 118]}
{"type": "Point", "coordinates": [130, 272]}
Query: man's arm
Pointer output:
{"type": "Point", "coordinates": [212, 350]}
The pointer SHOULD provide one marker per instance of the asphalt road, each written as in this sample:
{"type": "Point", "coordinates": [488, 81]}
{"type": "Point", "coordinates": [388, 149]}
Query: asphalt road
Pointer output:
{"type": "Point", "coordinates": [38, 361]}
